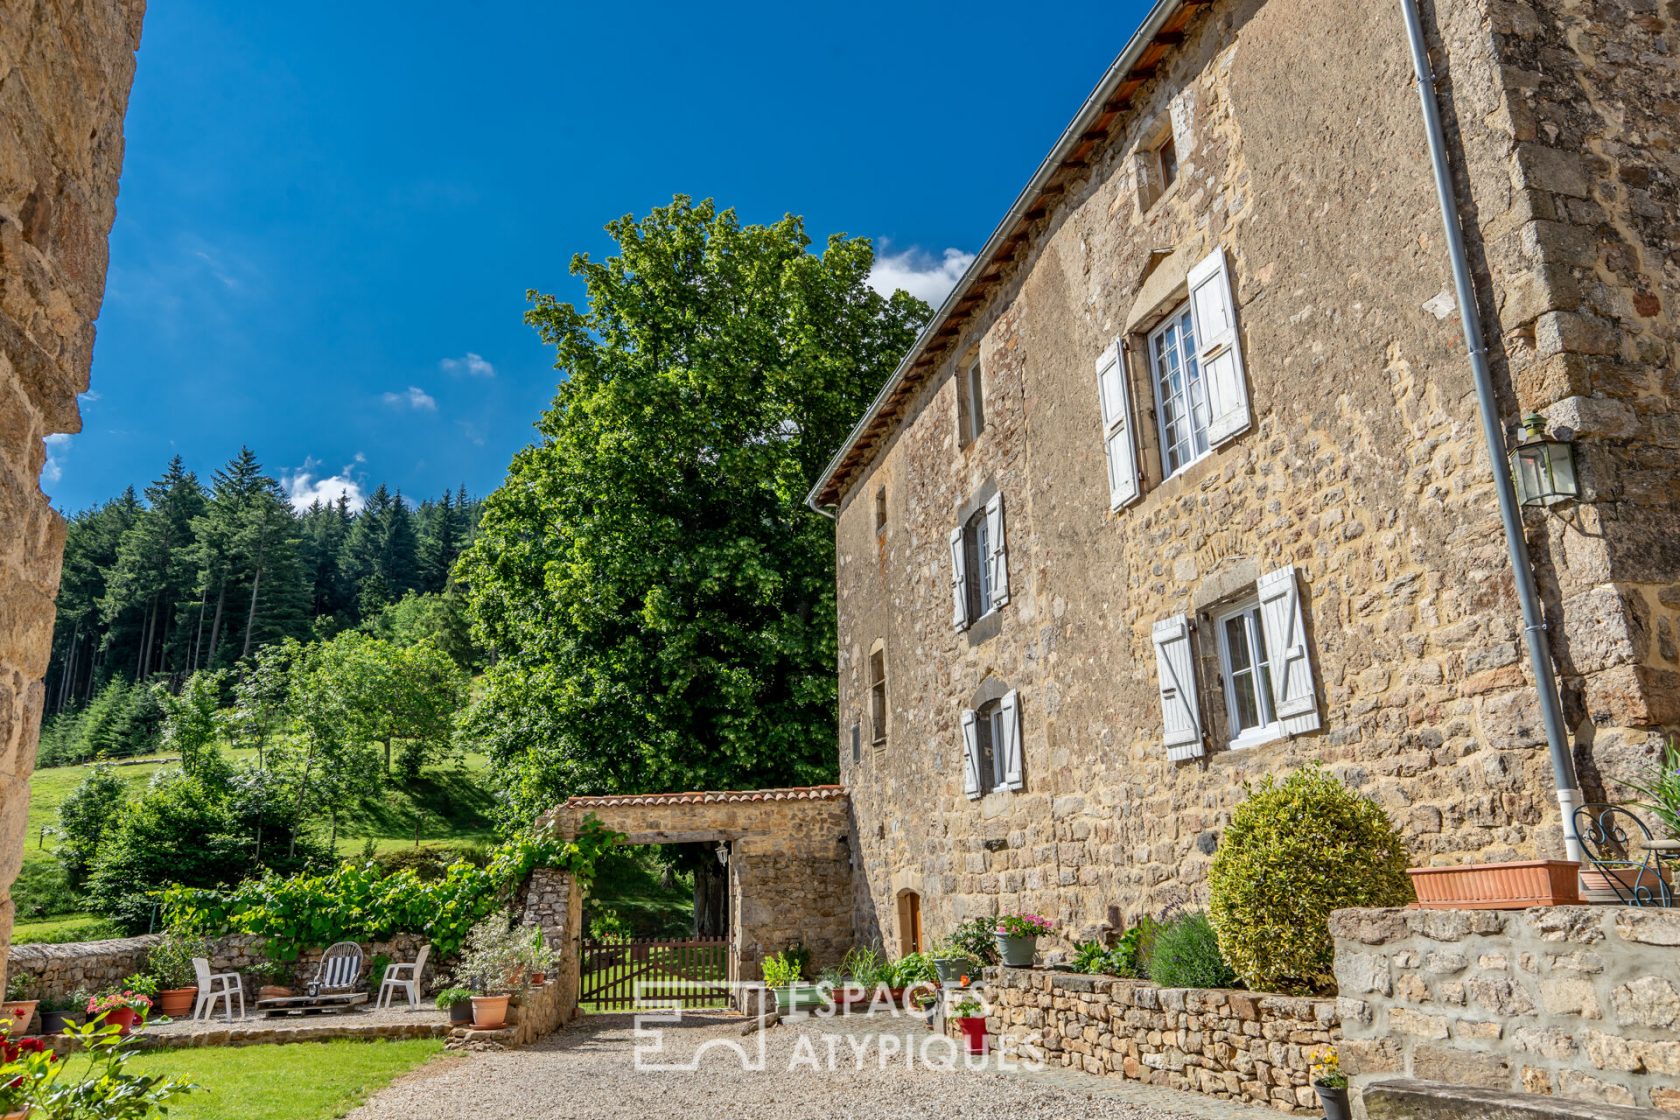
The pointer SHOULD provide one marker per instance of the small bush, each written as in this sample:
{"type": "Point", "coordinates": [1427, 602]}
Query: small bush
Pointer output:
{"type": "Point", "coordinates": [1295, 851]}
{"type": "Point", "coordinates": [1186, 955]}
{"type": "Point", "coordinates": [976, 937]}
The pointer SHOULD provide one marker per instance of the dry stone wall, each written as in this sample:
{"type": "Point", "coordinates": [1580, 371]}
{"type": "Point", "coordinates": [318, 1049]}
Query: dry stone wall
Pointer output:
{"type": "Point", "coordinates": [1302, 155]}
{"type": "Point", "coordinates": [1575, 1002]}
{"type": "Point", "coordinates": [1231, 1045]}
{"type": "Point", "coordinates": [65, 71]}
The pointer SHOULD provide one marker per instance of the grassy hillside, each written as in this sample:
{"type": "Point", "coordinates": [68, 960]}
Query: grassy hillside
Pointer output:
{"type": "Point", "coordinates": [449, 804]}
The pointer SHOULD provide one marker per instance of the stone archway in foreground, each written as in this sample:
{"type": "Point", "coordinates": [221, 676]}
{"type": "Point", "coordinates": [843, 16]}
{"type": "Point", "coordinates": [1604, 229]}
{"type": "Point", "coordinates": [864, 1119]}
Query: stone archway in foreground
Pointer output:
{"type": "Point", "coordinates": [790, 869]}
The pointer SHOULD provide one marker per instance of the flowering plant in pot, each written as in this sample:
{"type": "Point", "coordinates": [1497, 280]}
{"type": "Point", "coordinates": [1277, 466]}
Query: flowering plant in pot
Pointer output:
{"type": "Point", "coordinates": [1331, 1084]}
{"type": "Point", "coordinates": [537, 957]}
{"type": "Point", "coordinates": [971, 1020]}
{"type": "Point", "coordinates": [24, 1065]}
{"type": "Point", "coordinates": [1017, 938]}
{"type": "Point", "coordinates": [170, 963]}
{"type": "Point", "coordinates": [120, 1007]}
{"type": "Point", "coordinates": [93, 1083]}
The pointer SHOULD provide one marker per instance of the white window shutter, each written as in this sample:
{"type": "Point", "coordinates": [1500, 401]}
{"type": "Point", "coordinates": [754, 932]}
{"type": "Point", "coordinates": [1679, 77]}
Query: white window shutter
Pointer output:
{"type": "Point", "coordinates": [997, 559]}
{"type": "Point", "coordinates": [1218, 348]}
{"type": "Point", "coordinates": [1009, 726]}
{"type": "Point", "coordinates": [1181, 719]}
{"type": "Point", "coordinates": [971, 754]}
{"type": "Point", "coordinates": [1293, 696]}
{"type": "Point", "coordinates": [959, 581]}
{"type": "Point", "coordinates": [1118, 444]}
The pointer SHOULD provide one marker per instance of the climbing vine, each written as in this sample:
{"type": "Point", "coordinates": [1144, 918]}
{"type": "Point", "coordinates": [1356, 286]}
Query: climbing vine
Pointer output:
{"type": "Point", "coordinates": [357, 902]}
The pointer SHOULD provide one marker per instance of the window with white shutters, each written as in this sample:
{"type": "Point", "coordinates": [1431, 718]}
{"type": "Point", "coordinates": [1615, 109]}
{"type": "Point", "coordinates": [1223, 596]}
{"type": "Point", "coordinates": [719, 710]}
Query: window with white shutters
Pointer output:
{"type": "Point", "coordinates": [959, 580]}
{"type": "Point", "coordinates": [1218, 349]}
{"type": "Point", "coordinates": [971, 753]}
{"type": "Point", "coordinates": [1181, 719]}
{"type": "Point", "coordinates": [979, 565]}
{"type": "Point", "coordinates": [997, 554]}
{"type": "Point", "coordinates": [1007, 740]}
{"type": "Point", "coordinates": [1294, 698]}
{"type": "Point", "coordinates": [1118, 444]}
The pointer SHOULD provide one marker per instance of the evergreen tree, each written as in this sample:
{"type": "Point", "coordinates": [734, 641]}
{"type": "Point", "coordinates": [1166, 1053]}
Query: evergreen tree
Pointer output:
{"type": "Point", "coordinates": [154, 570]}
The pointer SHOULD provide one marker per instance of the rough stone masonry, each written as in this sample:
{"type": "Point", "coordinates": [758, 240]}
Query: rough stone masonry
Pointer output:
{"type": "Point", "coordinates": [65, 72]}
{"type": "Point", "coordinates": [1359, 478]}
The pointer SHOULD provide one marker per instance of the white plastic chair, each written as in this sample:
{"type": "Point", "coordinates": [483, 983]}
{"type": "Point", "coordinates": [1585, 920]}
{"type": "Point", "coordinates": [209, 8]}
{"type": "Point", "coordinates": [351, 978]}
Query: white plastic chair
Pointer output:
{"type": "Point", "coordinates": [223, 986]}
{"type": "Point", "coordinates": [404, 978]}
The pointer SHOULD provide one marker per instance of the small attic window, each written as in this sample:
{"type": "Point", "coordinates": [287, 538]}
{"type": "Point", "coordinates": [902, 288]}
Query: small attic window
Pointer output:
{"type": "Point", "coordinates": [1166, 161]}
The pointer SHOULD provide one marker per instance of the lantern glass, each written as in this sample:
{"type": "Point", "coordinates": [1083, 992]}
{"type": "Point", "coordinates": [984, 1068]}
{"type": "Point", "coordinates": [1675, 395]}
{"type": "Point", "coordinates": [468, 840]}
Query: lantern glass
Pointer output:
{"type": "Point", "coordinates": [1545, 472]}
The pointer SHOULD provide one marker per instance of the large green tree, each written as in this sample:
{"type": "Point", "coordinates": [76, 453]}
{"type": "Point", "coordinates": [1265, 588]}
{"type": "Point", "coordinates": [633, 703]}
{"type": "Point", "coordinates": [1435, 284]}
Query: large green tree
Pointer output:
{"type": "Point", "coordinates": [659, 604]}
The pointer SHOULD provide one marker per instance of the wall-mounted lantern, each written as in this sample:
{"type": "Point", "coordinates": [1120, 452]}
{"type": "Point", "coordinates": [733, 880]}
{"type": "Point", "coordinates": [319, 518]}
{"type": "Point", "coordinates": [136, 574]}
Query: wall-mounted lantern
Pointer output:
{"type": "Point", "coordinates": [722, 852]}
{"type": "Point", "coordinates": [1544, 466]}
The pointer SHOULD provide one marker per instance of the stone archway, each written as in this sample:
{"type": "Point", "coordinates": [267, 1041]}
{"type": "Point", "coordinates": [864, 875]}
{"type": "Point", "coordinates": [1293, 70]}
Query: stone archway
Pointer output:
{"type": "Point", "coordinates": [790, 869]}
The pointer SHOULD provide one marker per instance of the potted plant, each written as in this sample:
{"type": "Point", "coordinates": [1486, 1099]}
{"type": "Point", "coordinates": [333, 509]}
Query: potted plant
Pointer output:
{"type": "Point", "coordinates": [171, 963]}
{"type": "Point", "coordinates": [53, 1009]}
{"type": "Point", "coordinates": [952, 963]}
{"type": "Point", "coordinates": [781, 976]}
{"type": "Point", "coordinates": [269, 973]}
{"type": "Point", "coordinates": [1661, 783]}
{"type": "Point", "coordinates": [972, 1022]}
{"type": "Point", "coordinates": [539, 958]}
{"type": "Point", "coordinates": [24, 1066]}
{"type": "Point", "coordinates": [1017, 938]}
{"type": "Point", "coordinates": [20, 1004]}
{"type": "Point", "coordinates": [1331, 1085]}
{"type": "Point", "coordinates": [120, 1007]}
{"type": "Point", "coordinates": [458, 1002]}
{"type": "Point", "coordinates": [493, 955]}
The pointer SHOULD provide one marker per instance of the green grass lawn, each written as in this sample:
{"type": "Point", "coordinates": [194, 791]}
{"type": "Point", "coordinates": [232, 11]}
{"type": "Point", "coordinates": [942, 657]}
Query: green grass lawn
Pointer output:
{"type": "Point", "coordinates": [449, 804]}
{"type": "Point", "coordinates": [300, 1081]}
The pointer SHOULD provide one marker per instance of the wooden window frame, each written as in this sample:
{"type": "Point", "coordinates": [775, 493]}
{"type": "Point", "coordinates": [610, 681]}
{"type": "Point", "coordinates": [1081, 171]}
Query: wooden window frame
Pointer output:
{"type": "Point", "coordinates": [879, 713]}
{"type": "Point", "coordinates": [1247, 609]}
{"type": "Point", "coordinates": [1174, 321]}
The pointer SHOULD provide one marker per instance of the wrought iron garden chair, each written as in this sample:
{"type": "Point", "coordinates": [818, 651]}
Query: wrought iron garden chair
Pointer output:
{"type": "Point", "coordinates": [1620, 860]}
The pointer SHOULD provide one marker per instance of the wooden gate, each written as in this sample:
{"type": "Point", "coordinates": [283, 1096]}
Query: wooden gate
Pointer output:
{"type": "Point", "coordinates": [640, 972]}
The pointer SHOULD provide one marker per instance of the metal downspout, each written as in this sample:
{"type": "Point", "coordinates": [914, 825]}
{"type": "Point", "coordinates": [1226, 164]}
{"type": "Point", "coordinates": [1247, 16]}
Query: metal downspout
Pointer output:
{"type": "Point", "coordinates": [1534, 620]}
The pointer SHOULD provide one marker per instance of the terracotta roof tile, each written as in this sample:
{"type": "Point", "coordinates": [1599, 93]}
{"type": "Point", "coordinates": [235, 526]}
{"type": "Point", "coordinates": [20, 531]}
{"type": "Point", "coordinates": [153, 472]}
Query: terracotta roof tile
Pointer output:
{"type": "Point", "coordinates": [711, 797]}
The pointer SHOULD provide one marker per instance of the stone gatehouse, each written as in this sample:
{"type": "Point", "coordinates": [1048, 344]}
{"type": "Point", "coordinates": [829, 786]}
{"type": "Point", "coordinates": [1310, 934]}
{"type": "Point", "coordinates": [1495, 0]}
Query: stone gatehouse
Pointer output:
{"type": "Point", "coordinates": [789, 854]}
{"type": "Point", "coordinates": [1185, 485]}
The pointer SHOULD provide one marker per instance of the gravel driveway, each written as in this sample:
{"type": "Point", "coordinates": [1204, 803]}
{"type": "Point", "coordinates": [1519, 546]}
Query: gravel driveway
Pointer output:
{"type": "Point", "coordinates": [589, 1071]}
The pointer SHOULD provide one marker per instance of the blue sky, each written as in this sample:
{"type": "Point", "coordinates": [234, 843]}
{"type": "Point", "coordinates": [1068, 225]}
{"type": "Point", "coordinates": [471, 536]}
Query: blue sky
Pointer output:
{"type": "Point", "coordinates": [330, 214]}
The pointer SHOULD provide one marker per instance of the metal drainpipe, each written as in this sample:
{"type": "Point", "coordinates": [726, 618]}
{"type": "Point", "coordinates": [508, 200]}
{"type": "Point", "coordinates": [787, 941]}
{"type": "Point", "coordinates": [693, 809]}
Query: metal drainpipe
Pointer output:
{"type": "Point", "coordinates": [1534, 620]}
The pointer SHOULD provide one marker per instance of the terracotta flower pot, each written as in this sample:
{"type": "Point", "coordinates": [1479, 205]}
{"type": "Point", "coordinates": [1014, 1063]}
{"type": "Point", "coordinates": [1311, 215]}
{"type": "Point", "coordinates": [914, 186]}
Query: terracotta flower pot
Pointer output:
{"type": "Point", "coordinates": [274, 991]}
{"type": "Point", "coordinates": [1615, 884]}
{"type": "Point", "coordinates": [1497, 886]}
{"type": "Point", "coordinates": [23, 1115]}
{"type": "Point", "coordinates": [177, 1002]}
{"type": "Point", "coordinates": [123, 1018]}
{"type": "Point", "coordinates": [489, 1013]}
{"type": "Point", "coordinates": [21, 1012]}
{"type": "Point", "coordinates": [974, 1034]}
{"type": "Point", "coordinates": [538, 979]}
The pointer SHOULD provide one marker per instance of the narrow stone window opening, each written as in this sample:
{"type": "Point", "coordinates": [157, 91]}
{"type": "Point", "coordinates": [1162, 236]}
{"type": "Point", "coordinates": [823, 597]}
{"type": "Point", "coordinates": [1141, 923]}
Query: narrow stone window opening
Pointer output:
{"type": "Point", "coordinates": [881, 511]}
{"type": "Point", "coordinates": [878, 697]}
{"type": "Point", "coordinates": [971, 402]}
{"type": "Point", "coordinates": [976, 566]}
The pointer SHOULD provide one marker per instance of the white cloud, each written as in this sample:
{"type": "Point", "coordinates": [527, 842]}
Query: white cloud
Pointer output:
{"type": "Point", "coordinates": [58, 446]}
{"type": "Point", "coordinates": [305, 486]}
{"type": "Point", "coordinates": [919, 273]}
{"type": "Point", "coordinates": [413, 397]}
{"type": "Point", "coordinates": [473, 365]}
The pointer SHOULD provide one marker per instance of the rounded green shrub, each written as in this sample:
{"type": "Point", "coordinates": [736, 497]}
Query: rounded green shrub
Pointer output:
{"type": "Point", "coordinates": [1186, 955]}
{"type": "Point", "coordinates": [1296, 850]}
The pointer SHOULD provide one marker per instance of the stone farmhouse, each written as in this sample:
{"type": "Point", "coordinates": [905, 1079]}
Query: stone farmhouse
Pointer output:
{"type": "Point", "coordinates": [1186, 483]}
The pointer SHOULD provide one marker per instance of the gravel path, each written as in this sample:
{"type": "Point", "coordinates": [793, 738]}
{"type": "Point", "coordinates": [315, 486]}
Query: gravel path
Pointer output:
{"type": "Point", "coordinates": [589, 1071]}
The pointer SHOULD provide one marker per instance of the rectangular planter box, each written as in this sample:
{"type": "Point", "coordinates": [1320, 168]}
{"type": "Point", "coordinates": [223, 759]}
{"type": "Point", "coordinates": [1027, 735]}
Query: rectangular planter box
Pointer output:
{"type": "Point", "coordinates": [1498, 886]}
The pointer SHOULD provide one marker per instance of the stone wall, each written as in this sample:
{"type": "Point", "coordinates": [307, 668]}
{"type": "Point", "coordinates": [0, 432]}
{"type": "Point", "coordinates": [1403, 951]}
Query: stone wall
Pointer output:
{"type": "Point", "coordinates": [553, 903]}
{"type": "Point", "coordinates": [1302, 155]}
{"type": "Point", "coordinates": [1232, 1045]}
{"type": "Point", "coordinates": [65, 71]}
{"type": "Point", "coordinates": [91, 966]}
{"type": "Point", "coordinates": [1577, 1002]}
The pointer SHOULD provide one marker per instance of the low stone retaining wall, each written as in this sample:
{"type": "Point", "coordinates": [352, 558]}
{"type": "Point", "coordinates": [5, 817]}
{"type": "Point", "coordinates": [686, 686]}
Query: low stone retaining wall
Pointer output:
{"type": "Point", "coordinates": [1234, 1045]}
{"type": "Point", "coordinates": [535, 1012]}
{"type": "Point", "coordinates": [1581, 1002]}
{"type": "Point", "coordinates": [60, 970]}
